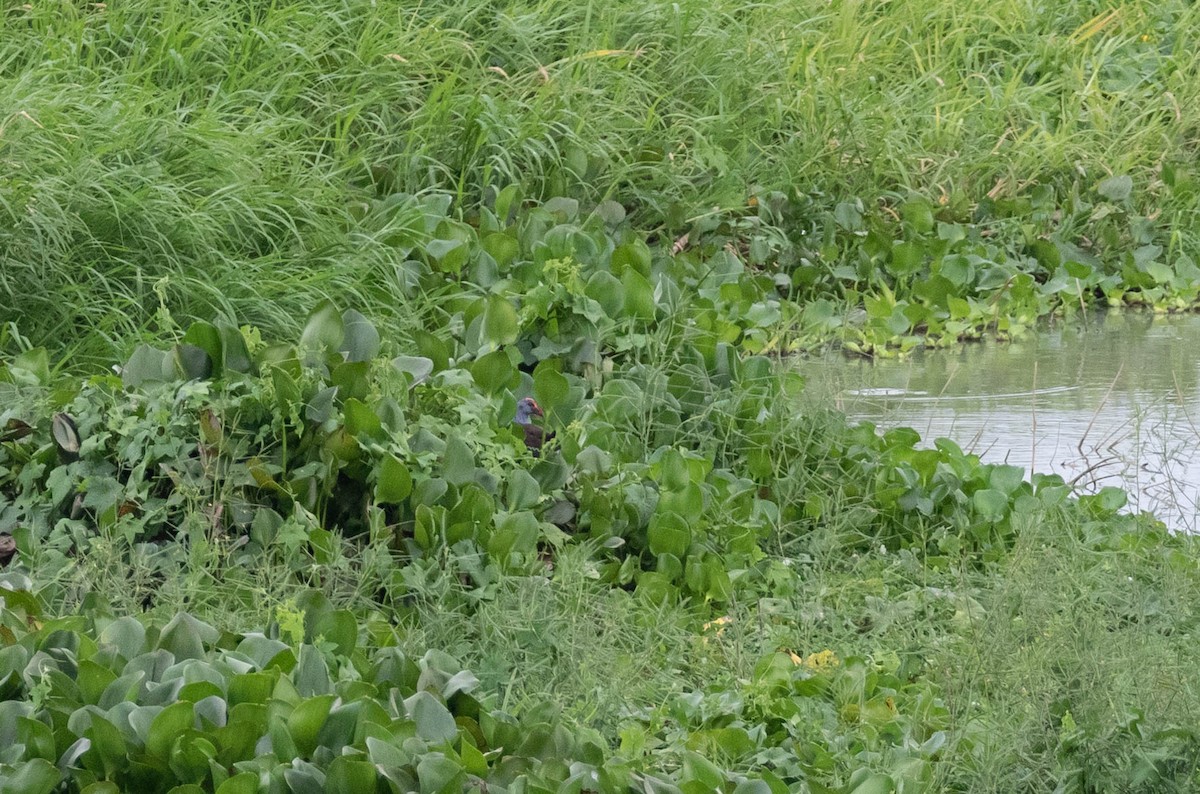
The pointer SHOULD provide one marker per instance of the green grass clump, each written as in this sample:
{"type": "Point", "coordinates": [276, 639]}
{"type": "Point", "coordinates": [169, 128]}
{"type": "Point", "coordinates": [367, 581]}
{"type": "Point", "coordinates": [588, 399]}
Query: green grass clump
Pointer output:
{"type": "Point", "coordinates": [702, 583]}
{"type": "Point", "coordinates": [216, 152]}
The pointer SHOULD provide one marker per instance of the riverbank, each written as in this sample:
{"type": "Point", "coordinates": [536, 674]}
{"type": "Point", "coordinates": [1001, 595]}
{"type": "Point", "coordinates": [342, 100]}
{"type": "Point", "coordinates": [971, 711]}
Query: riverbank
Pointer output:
{"type": "Point", "coordinates": [274, 279]}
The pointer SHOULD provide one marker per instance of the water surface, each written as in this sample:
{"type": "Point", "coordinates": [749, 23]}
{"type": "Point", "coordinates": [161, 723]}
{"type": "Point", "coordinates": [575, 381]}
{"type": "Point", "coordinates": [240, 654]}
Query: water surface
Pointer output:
{"type": "Point", "coordinates": [1114, 401]}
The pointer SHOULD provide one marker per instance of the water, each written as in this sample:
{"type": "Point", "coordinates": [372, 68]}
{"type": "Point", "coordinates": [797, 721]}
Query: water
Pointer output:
{"type": "Point", "coordinates": [1115, 401]}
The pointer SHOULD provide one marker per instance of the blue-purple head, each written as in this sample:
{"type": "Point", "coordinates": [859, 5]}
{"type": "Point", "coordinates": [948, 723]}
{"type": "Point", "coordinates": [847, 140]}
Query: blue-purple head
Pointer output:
{"type": "Point", "coordinates": [527, 408]}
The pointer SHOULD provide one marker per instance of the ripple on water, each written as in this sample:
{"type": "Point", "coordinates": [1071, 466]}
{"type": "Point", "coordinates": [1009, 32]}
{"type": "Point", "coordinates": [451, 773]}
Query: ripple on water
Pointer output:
{"type": "Point", "coordinates": [1112, 402]}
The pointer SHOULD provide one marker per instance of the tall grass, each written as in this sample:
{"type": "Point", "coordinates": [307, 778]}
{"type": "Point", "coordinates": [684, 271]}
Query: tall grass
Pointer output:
{"type": "Point", "coordinates": [218, 145]}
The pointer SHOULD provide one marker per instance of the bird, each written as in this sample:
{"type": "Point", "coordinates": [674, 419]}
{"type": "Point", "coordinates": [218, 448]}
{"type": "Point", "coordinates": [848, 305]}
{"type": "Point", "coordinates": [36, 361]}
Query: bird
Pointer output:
{"type": "Point", "coordinates": [535, 436]}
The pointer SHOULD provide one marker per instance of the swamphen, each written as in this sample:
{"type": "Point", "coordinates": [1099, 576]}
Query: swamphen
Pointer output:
{"type": "Point", "coordinates": [535, 436]}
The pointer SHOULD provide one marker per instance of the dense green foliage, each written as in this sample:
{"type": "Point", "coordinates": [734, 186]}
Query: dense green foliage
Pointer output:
{"type": "Point", "coordinates": [273, 278]}
{"type": "Point", "coordinates": [251, 160]}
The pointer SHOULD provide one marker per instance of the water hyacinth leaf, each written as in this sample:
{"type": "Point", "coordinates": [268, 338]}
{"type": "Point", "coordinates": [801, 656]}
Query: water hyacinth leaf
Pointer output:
{"type": "Point", "coordinates": [170, 723]}
{"type": "Point", "coordinates": [319, 409]}
{"type": "Point", "coordinates": [38, 776]}
{"type": "Point", "coordinates": [103, 787]}
{"type": "Point", "coordinates": [523, 491]}
{"type": "Point", "coordinates": [324, 330]}
{"type": "Point", "coordinates": [508, 202]}
{"type": "Point", "coordinates": [1115, 188]}
{"type": "Point", "coordinates": [550, 386]}
{"type": "Point", "coordinates": [459, 463]}
{"type": "Point", "coordinates": [340, 628]}
{"type": "Point", "coordinates": [304, 778]}
{"type": "Point", "coordinates": [206, 337]}
{"type": "Point", "coordinates": [610, 212]}
{"type": "Point", "coordinates": [567, 209]}
{"type": "Point", "coordinates": [393, 483]}
{"type": "Point", "coordinates": [631, 256]}
{"type": "Point", "coordinates": [37, 738]}
{"type": "Point", "coordinates": [305, 722]}
{"type": "Point", "coordinates": [669, 534]}
{"type": "Point", "coordinates": [607, 290]}
{"type": "Point", "coordinates": [434, 721]}
{"type": "Point", "coordinates": [448, 256]}
{"type": "Point", "coordinates": [433, 348]}
{"type": "Point", "coordinates": [415, 368]}
{"type": "Point", "coordinates": [251, 688]}
{"type": "Point", "coordinates": [350, 775]}
{"type": "Point", "coordinates": [185, 637]}
{"type": "Point", "coordinates": [875, 784]}
{"type": "Point", "coordinates": [639, 296]}
{"type": "Point", "coordinates": [235, 354]}
{"type": "Point", "coordinates": [311, 675]}
{"type": "Point", "coordinates": [440, 775]}
{"type": "Point", "coordinates": [494, 372]}
{"type": "Point", "coordinates": [147, 365]}
{"type": "Point", "coordinates": [192, 362]}
{"type": "Point", "coordinates": [752, 786]}
{"type": "Point", "coordinates": [499, 322]}
{"type": "Point", "coordinates": [93, 679]}
{"type": "Point", "coordinates": [361, 340]}
{"type": "Point", "coordinates": [30, 367]}
{"type": "Point", "coordinates": [242, 783]}
{"type": "Point", "coordinates": [361, 419]}
{"type": "Point", "coordinates": [502, 247]}
{"type": "Point", "coordinates": [990, 503]}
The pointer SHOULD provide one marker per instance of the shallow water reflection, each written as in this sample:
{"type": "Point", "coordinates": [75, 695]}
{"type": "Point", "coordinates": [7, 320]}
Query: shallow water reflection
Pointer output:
{"type": "Point", "coordinates": [1115, 402]}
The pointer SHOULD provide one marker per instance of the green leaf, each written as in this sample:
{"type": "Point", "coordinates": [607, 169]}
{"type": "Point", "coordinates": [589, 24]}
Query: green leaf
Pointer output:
{"type": "Point", "coordinates": [394, 483]}
{"type": "Point", "coordinates": [319, 409]}
{"type": "Point", "coordinates": [550, 386]}
{"type": "Point", "coordinates": [38, 776]}
{"type": "Point", "coordinates": [1115, 188]}
{"type": "Point", "coordinates": [918, 213]}
{"type": "Point", "coordinates": [500, 321]}
{"type": "Point", "coordinates": [305, 722]}
{"type": "Point", "coordinates": [147, 365]}
{"type": "Point", "coordinates": [340, 628]}
{"type": "Point", "coordinates": [434, 721]}
{"type": "Point", "coordinates": [236, 357]}
{"type": "Point", "coordinates": [990, 503]}
{"type": "Point", "coordinates": [417, 368]}
{"type": "Point", "coordinates": [207, 338]}
{"type": "Point", "coordinates": [907, 258]}
{"type": "Point", "coordinates": [508, 202]}
{"type": "Point", "coordinates": [170, 723]}
{"type": "Point", "coordinates": [460, 462]}
{"type": "Point", "coordinates": [440, 775]}
{"type": "Point", "coordinates": [361, 420]}
{"type": "Point", "coordinates": [669, 534]}
{"type": "Point", "coordinates": [37, 738]}
{"type": "Point", "coordinates": [185, 637]}
{"type": "Point", "coordinates": [633, 255]}
{"type": "Point", "coordinates": [639, 296]}
{"type": "Point", "coordinates": [875, 784]}
{"type": "Point", "coordinates": [494, 372]}
{"type": "Point", "coordinates": [448, 256]}
{"type": "Point", "coordinates": [243, 783]}
{"type": "Point", "coordinates": [501, 247]}
{"type": "Point", "coordinates": [361, 341]}
{"type": "Point", "coordinates": [324, 330]}
{"type": "Point", "coordinates": [31, 367]}
{"type": "Point", "coordinates": [523, 490]}
{"type": "Point", "coordinates": [127, 634]}
{"type": "Point", "coordinates": [350, 775]}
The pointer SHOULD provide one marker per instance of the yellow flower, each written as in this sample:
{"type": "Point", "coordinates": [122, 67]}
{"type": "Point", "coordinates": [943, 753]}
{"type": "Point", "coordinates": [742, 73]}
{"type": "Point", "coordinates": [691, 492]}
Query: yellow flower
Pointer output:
{"type": "Point", "coordinates": [822, 660]}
